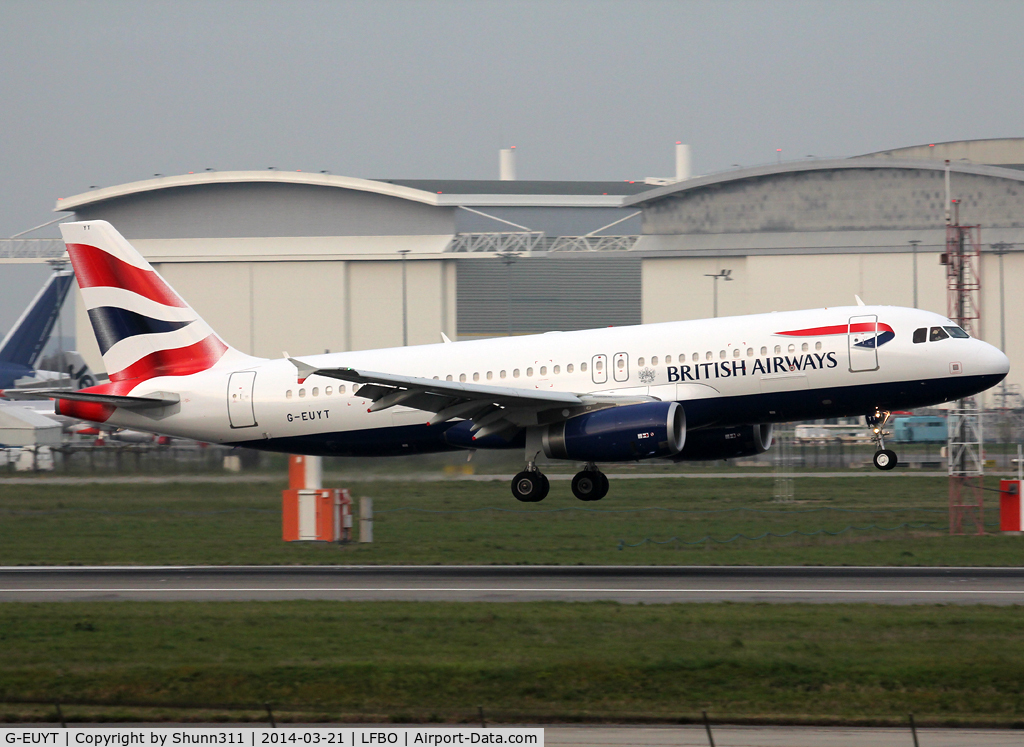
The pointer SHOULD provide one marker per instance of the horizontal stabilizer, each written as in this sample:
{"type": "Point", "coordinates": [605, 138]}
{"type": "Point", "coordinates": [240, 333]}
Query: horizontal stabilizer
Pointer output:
{"type": "Point", "coordinates": [156, 399]}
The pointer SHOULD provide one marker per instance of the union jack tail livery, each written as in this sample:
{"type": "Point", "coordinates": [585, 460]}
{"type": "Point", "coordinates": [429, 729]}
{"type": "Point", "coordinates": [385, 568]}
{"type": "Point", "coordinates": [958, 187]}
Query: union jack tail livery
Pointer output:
{"type": "Point", "coordinates": [144, 329]}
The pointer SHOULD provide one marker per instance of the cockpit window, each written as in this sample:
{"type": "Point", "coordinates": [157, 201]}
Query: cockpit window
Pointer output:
{"type": "Point", "coordinates": [938, 333]}
{"type": "Point", "coordinates": [920, 335]}
{"type": "Point", "coordinates": [956, 332]}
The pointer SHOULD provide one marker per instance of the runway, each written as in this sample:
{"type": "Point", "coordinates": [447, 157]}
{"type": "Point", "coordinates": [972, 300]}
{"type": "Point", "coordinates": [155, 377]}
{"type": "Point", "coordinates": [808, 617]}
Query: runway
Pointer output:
{"type": "Point", "coordinates": [625, 584]}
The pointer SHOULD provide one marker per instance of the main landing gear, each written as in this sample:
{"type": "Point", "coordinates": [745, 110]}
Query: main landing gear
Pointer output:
{"type": "Point", "coordinates": [531, 486]}
{"type": "Point", "coordinates": [591, 484]}
{"type": "Point", "coordinates": [884, 458]}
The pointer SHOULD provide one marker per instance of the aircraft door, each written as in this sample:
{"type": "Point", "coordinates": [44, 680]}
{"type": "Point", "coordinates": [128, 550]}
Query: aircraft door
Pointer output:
{"type": "Point", "coordinates": [621, 370]}
{"type": "Point", "coordinates": [862, 342]}
{"type": "Point", "coordinates": [599, 369]}
{"type": "Point", "coordinates": [240, 410]}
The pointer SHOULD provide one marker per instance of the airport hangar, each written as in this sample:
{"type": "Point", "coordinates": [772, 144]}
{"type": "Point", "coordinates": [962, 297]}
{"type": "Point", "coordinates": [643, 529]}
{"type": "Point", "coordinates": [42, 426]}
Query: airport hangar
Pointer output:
{"type": "Point", "coordinates": [307, 262]}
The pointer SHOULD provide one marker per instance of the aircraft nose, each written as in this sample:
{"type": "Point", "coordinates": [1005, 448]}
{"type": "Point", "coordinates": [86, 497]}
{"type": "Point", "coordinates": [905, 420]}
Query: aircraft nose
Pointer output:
{"type": "Point", "coordinates": [992, 360]}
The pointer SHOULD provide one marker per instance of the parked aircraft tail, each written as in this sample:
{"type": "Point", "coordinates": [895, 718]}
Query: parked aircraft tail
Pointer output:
{"type": "Point", "coordinates": [144, 329]}
{"type": "Point", "coordinates": [26, 339]}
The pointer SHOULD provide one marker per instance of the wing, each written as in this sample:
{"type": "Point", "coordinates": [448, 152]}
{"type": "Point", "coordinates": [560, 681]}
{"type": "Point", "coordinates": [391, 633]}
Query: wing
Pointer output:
{"type": "Point", "coordinates": [493, 409]}
{"type": "Point", "coordinates": [156, 399]}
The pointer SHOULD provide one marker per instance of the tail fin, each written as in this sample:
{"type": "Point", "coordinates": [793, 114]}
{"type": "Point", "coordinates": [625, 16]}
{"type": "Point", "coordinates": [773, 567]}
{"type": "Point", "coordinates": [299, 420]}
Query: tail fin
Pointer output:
{"type": "Point", "coordinates": [144, 329]}
{"type": "Point", "coordinates": [28, 336]}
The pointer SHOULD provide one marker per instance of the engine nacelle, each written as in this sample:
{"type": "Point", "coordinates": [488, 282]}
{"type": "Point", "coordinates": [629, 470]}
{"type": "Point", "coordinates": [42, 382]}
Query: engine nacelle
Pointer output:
{"type": "Point", "coordinates": [726, 443]}
{"type": "Point", "coordinates": [619, 434]}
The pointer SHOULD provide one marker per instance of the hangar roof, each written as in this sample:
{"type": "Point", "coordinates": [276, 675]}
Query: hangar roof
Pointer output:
{"type": "Point", "coordinates": [837, 164]}
{"type": "Point", "coordinates": [440, 193]}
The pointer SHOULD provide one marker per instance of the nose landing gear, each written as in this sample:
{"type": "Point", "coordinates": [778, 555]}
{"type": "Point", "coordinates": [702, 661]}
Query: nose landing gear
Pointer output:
{"type": "Point", "coordinates": [590, 484]}
{"type": "Point", "coordinates": [884, 458]}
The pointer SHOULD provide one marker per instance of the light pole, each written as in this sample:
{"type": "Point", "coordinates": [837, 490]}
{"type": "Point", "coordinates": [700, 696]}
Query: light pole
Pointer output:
{"type": "Point", "coordinates": [58, 265]}
{"type": "Point", "coordinates": [725, 275]}
{"type": "Point", "coordinates": [913, 248]}
{"type": "Point", "coordinates": [507, 258]}
{"type": "Point", "coordinates": [1001, 248]}
{"type": "Point", "coordinates": [405, 314]}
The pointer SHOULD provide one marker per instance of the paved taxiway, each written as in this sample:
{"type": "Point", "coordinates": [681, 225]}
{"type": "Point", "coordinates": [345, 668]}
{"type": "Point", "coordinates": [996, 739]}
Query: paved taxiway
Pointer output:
{"type": "Point", "coordinates": [650, 585]}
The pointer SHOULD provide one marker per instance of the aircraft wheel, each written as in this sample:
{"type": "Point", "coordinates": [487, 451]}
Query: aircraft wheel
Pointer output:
{"type": "Point", "coordinates": [885, 459]}
{"type": "Point", "coordinates": [587, 485]}
{"type": "Point", "coordinates": [604, 486]}
{"type": "Point", "coordinates": [530, 487]}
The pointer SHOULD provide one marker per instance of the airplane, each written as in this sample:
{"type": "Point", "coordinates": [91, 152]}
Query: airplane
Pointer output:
{"type": "Point", "coordinates": [21, 348]}
{"type": "Point", "coordinates": [687, 390]}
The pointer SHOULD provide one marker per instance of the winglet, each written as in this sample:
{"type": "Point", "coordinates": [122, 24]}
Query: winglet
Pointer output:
{"type": "Point", "coordinates": [859, 302]}
{"type": "Point", "coordinates": [444, 337]}
{"type": "Point", "coordinates": [304, 369]}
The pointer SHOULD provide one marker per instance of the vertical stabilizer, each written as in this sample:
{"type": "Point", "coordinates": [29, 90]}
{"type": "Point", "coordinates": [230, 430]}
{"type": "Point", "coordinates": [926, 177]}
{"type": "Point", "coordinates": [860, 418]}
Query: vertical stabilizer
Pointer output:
{"type": "Point", "coordinates": [144, 329]}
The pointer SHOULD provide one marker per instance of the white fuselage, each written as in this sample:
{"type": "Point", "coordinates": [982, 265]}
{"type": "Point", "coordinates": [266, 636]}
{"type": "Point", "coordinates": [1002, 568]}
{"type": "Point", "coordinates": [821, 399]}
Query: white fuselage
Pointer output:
{"type": "Point", "coordinates": [724, 371]}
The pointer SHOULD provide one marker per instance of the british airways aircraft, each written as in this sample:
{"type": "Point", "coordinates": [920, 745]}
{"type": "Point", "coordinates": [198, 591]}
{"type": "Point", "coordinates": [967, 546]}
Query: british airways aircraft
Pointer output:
{"type": "Point", "coordinates": [693, 390]}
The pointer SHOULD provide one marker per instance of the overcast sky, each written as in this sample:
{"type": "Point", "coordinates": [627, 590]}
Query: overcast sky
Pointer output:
{"type": "Point", "coordinates": [102, 93]}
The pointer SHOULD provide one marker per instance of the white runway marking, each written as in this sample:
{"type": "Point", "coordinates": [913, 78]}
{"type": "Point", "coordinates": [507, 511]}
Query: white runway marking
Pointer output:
{"type": "Point", "coordinates": [531, 590]}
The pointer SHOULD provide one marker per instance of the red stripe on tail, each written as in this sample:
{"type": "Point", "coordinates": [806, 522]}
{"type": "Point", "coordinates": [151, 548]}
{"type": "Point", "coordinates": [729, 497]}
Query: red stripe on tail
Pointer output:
{"type": "Point", "coordinates": [175, 361]}
{"type": "Point", "coordinates": [97, 268]}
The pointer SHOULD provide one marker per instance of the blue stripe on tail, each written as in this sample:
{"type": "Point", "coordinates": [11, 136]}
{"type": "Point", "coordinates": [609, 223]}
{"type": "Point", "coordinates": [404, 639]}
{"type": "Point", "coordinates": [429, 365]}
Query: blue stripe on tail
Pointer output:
{"type": "Point", "coordinates": [112, 324]}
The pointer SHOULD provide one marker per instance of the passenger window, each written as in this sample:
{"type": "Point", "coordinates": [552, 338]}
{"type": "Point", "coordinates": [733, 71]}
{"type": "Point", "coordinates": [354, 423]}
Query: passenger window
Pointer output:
{"type": "Point", "coordinates": [288, 394]}
{"type": "Point", "coordinates": [515, 373]}
{"type": "Point", "coordinates": [316, 391]}
{"type": "Point", "coordinates": [956, 332]}
{"type": "Point", "coordinates": [462, 377]}
{"type": "Point", "coordinates": [621, 364]}
{"type": "Point", "coordinates": [792, 348]}
{"type": "Point", "coordinates": [750, 352]}
{"type": "Point", "coordinates": [721, 354]}
{"type": "Point", "coordinates": [668, 359]}
{"type": "Point", "coordinates": [341, 389]}
{"type": "Point", "coordinates": [302, 392]}
{"type": "Point", "coordinates": [328, 391]}
{"type": "Point", "coordinates": [436, 378]}
{"type": "Point", "coordinates": [938, 333]}
{"type": "Point", "coordinates": [490, 375]}
{"type": "Point", "coordinates": [558, 369]}
{"type": "Point", "coordinates": [639, 362]}
{"type": "Point", "coordinates": [764, 350]}
{"type": "Point", "coordinates": [736, 353]}
{"type": "Point", "coordinates": [583, 367]}
{"type": "Point", "coordinates": [817, 345]}
{"type": "Point", "coordinates": [778, 349]}
{"type": "Point", "coordinates": [543, 370]}
{"type": "Point", "coordinates": [448, 377]}
{"type": "Point", "coordinates": [654, 360]}
{"type": "Point", "coordinates": [920, 335]}
{"type": "Point", "coordinates": [599, 364]}
{"type": "Point", "coordinates": [501, 375]}
{"type": "Point", "coordinates": [529, 372]}
{"type": "Point", "coordinates": [476, 376]}
{"type": "Point", "coordinates": [804, 347]}
{"type": "Point", "coordinates": [568, 369]}
{"type": "Point", "coordinates": [708, 356]}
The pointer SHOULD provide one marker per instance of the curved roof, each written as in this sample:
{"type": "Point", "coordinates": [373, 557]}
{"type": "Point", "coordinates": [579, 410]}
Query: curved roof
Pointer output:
{"type": "Point", "coordinates": [994, 151]}
{"type": "Point", "coordinates": [836, 164]}
{"type": "Point", "coordinates": [495, 195]}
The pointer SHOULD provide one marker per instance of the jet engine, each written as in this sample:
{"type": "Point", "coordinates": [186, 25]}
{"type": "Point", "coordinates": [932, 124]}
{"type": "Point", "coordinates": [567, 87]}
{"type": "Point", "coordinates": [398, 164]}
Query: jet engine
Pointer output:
{"type": "Point", "coordinates": [619, 434]}
{"type": "Point", "coordinates": [726, 443]}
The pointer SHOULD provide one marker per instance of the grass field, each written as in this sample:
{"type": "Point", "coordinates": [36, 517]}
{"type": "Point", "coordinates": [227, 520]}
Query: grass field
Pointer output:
{"type": "Point", "coordinates": [898, 520]}
{"type": "Point", "coordinates": [540, 661]}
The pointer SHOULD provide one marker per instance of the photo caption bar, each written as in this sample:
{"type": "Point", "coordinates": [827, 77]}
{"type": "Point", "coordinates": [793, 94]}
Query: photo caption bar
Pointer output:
{"type": "Point", "coordinates": [145, 736]}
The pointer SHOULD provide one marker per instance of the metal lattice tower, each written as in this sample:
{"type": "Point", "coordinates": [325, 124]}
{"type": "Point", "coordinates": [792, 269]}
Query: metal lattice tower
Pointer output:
{"type": "Point", "coordinates": [784, 458]}
{"type": "Point", "coordinates": [964, 444]}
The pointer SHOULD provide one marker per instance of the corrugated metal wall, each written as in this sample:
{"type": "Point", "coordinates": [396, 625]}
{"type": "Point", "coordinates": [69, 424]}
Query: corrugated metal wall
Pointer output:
{"type": "Point", "coordinates": [547, 294]}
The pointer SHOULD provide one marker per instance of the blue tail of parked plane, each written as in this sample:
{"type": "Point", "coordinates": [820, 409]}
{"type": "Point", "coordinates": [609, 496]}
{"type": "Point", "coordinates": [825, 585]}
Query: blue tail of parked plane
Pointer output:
{"type": "Point", "coordinates": [21, 348]}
